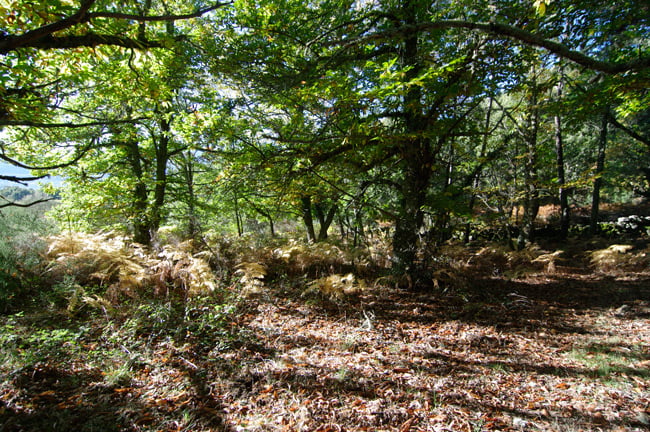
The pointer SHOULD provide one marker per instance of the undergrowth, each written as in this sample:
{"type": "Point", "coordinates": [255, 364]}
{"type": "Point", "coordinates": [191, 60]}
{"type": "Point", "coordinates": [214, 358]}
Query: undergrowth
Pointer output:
{"type": "Point", "coordinates": [21, 249]}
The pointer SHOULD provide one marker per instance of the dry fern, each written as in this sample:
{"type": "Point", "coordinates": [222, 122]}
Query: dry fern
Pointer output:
{"type": "Point", "coordinates": [252, 277]}
{"type": "Point", "coordinates": [315, 259]}
{"type": "Point", "coordinates": [613, 257]}
{"type": "Point", "coordinates": [128, 270]}
{"type": "Point", "coordinates": [336, 286]}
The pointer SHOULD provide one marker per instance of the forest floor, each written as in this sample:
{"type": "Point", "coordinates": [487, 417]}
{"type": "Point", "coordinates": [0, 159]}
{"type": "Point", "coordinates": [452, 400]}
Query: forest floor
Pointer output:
{"type": "Point", "coordinates": [561, 347]}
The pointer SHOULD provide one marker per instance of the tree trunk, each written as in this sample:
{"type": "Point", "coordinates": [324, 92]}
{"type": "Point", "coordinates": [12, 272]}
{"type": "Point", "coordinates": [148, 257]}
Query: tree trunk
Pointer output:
{"type": "Point", "coordinates": [141, 221]}
{"type": "Point", "coordinates": [160, 187]}
{"type": "Point", "coordinates": [531, 192]}
{"type": "Point", "coordinates": [324, 219]}
{"type": "Point", "coordinates": [307, 218]}
{"type": "Point", "coordinates": [238, 218]}
{"type": "Point", "coordinates": [598, 181]}
{"type": "Point", "coordinates": [563, 191]}
{"type": "Point", "coordinates": [415, 150]}
{"type": "Point", "coordinates": [415, 185]}
{"type": "Point", "coordinates": [188, 175]}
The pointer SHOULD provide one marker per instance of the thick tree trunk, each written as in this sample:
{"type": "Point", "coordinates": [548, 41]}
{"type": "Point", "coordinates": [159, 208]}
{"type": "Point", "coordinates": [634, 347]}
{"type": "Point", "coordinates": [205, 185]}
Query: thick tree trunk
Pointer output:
{"type": "Point", "coordinates": [324, 219]}
{"type": "Point", "coordinates": [141, 221]}
{"type": "Point", "coordinates": [415, 150]}
{"type": "Point", "coordinates": [598, 181]}
{"type": "Point", "coordinates": [187, 168]}
{"type": "Point", "coordinates": [415, 184]}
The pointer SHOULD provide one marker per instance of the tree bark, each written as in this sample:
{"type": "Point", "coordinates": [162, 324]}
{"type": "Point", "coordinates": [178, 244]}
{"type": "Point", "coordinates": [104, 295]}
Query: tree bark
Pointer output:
{"type": "Point", "coordinates": [324, 219]}
{"type": "Point", "coordinates": [565, 216]}
{"type": "Point", "coordinates": [598, 181]}
{"type": "Point", "coordinates": [160, 187]}
{"type": "Point", "coordinates": [531, 192]}
{"type": "Point", "coordinates": [141, 221]}
{"type": "Point", "coordinates": [307, 218]}
{"type": "Point", "coordinates": [415, 150]}
{"type": "Point", "coordinates": [188, 176]}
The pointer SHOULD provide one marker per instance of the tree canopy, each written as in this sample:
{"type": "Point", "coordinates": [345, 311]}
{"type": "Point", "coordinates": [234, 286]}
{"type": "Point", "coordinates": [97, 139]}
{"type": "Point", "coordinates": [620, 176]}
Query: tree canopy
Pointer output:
{"type": "Point", "coordinates": [428, 116]}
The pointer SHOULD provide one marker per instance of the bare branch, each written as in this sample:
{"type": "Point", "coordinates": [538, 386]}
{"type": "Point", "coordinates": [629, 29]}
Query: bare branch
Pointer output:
{"type": "Point", "coordinates": [33, 203]}
{"type": "Point", "coordinates": [22, 180]}
{"type": "Point", "coordinates": [33, 124]}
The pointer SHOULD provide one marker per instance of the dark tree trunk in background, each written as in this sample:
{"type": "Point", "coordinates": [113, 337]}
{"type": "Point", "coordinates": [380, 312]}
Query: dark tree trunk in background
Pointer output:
{"type": "Point", "coordinates": [598, 181]}
{"type": "Point", "coordinates": [307, 218]}
{"type": "Point", "coordinates": [187, 170]}
{"type": "Point", "coordinates": [160, 186]}
{"type": "Point", "coordinates": [531, 192]}
{"type": "Point", "coordinates": [325, 219]}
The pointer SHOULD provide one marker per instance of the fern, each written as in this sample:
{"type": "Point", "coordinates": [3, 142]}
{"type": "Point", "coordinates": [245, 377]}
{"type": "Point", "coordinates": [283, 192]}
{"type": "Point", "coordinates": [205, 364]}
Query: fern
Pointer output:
{"type": "Point", "coordinates": [129, 270]}
{"type": "Point", "coordinates": [252, 277]}
{"type": "Point", "coordinates": [336, 286]}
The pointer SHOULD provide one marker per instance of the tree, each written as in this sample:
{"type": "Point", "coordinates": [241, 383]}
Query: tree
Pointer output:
{"type": "Point", "coordinates": [47, 49]}
{"type": "Point", "coordinates": [401, 78]}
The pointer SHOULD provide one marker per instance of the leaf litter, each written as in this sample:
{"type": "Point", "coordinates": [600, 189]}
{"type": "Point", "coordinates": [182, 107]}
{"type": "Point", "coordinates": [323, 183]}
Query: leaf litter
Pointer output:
{"type": "Point", "coordinates": [554, 349]}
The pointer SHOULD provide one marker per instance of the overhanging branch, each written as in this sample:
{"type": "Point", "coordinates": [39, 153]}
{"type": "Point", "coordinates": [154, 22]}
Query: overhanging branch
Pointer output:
{"type": "Point", "coordinates": [24, 205]}
{"type": "Point", "coordinates": [42, 37]}
{"type": "Point", "coordinates": [22, 180]}
{"type": "Point", "coordinates": [68, 125]}
{"type": "Point", "coordinates": [512, 32]}
{"type": "Point", "coordinates": [627, 130]}
{"type": "Point", "coordinates": [144, 18]}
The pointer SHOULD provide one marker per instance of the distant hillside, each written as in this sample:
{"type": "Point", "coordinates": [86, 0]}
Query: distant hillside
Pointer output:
{"type": "Point", "coordinates": [22, 195]}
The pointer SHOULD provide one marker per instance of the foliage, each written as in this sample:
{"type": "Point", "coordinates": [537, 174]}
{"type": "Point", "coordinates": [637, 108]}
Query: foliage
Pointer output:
{"type": "Point", "coordinates": [21, 252]}
{"type": "Point", "coordinates": [252, 277]}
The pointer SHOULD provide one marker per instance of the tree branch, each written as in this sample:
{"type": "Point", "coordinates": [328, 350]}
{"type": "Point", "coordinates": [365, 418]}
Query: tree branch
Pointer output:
{"type": "Point", "coordinates": [509, 31]}
{"type": "Point", "coordinates": [33, 124]}
{"type": "Point", "coordinates": [73, 161]}
{"type": "Point", "coordinates": [88, 40]}
{"type": "Point", "coordinates": [627, 130]}
{"type": "Point", "coordinates": [22, 180]}
{"type": "Point", "coordinates": [143, 18]}
{"type": "Point", "coordinates": [15, 204]}
{"type": "Point", "coordinates": [42, 38]}
{"type": "Point", "coordinates": [10, 42]}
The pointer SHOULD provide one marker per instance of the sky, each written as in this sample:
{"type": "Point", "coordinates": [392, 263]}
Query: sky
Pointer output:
{"type": "Point", "coordinates": [10, 170]}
